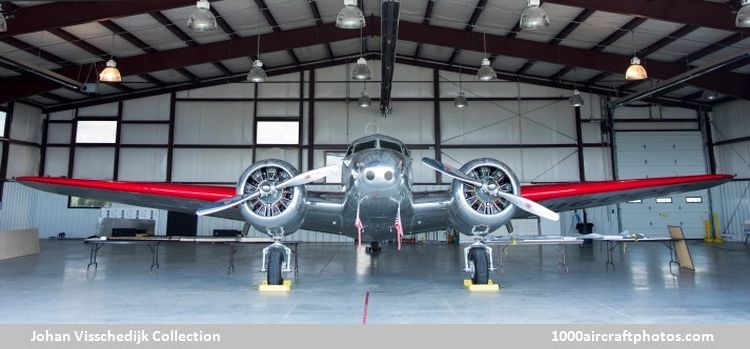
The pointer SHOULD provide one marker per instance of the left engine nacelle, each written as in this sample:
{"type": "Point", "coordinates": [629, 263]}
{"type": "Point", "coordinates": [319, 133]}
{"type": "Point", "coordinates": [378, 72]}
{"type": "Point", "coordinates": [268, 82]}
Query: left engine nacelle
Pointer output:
{"type": "Point", "coordinates": [282, 208]}
{"type": "Point", "coordinates": [473, 207]}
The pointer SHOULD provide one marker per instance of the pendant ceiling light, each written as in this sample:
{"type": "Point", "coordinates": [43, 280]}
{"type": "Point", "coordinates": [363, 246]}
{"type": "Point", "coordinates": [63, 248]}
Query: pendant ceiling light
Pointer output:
{"type": "Point", "coordinates": [709, 96]}
{"type": "Point", "coordinates": [110, 72]}
{"type": "Point", "coordinates": [743, 15]}
{"type": "Point", "coordinates": [361, 71]}
{"type": "Point", "coordinates": [635, 71]}
{"type": "Point", "coordinates": [257, 73]}
{"type": "Point", "coordinates": [486, 72]}
{"type": "Point", "coordinates": [202, 20]}
{"type": "Point", "coordinates": [3, 21]}
{"type": "Point", "coordinates": [576, 100]}
{"type": "Point", "coordinates": [460, 101]}
{"type": "Point", "coordinates": [364, 100]}
{"type": "Point", "coordinates": [534, 17]}
{"type": "Point", "coordinates": [350, 17]}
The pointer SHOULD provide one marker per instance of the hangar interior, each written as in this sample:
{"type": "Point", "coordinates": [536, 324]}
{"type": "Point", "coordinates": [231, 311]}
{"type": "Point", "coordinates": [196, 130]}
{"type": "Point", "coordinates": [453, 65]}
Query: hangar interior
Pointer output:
{"type": "Point", "coordinates": [184, 113]}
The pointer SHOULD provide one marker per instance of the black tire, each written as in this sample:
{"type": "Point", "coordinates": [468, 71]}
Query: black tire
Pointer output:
{"type": "Point", "coordinates": [479, 257]}
{"type": "Point", "coordinates": [275, 262]}
{"type": "Point", "coordinates": [375, 246]}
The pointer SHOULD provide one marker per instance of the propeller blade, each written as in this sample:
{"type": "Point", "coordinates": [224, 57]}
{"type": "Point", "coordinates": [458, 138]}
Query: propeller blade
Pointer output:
{"type": "Point", "coordinates": [308, 177]}
{"type": "Point", "coordinates": [450, 171]}
{"type": "Point", "coordinates": [221, 205]}
{"type": "Point", "coordinates": [530, 206]}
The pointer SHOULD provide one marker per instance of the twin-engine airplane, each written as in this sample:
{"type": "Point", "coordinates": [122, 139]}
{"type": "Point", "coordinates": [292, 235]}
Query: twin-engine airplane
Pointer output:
{"type": "Point", "coordinates": [376, 202]}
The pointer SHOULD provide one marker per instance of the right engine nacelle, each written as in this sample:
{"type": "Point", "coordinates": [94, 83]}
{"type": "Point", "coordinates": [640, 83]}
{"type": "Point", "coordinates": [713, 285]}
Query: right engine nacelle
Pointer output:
{"type": "Point", "coordinates": [283, 208]}
{"type": "Point", "coordinates": [472, 207]}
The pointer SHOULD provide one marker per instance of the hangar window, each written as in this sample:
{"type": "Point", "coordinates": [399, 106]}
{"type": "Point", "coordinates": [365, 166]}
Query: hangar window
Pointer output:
{"type": "Point", "coordinates": [693, 199]}
{"type": "Point", "coordinates": [277, 132]}
{"type": "Point", "coordinates": [635, 201]}
{"type": "Point", "coordinates": [96, 132]}
{"type": "Point", "coordinates": [78, 202]}
{"type": "Point", "coordinates": [334, 158]}
{"type": "Point", "coordinates": [2, 123]}
{"type": "Point", "coordinates": [664, 200]}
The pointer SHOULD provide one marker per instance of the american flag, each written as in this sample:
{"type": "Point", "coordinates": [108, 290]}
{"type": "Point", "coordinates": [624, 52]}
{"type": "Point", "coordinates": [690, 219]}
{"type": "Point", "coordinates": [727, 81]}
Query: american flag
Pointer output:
{"type": "Point", "coordinates": [399, 228]}
{"type": "Point", "coordinates": [360, 228]}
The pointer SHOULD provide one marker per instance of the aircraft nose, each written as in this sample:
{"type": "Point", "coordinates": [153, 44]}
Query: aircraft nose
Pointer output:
{"type": "Point", "coordinates": [379, 174]}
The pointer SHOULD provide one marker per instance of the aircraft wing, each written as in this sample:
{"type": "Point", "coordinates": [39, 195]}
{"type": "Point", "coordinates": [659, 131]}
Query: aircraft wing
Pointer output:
{"type": "Point", "coordinates": [572, 196]}
{"type": "Point", "coordinates": [325, 207]}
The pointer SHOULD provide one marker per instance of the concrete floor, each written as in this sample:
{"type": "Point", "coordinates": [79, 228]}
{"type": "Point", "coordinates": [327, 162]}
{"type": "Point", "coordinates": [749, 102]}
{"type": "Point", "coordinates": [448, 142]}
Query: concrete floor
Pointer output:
{"type": "Point", "coordinates": [420, 284]}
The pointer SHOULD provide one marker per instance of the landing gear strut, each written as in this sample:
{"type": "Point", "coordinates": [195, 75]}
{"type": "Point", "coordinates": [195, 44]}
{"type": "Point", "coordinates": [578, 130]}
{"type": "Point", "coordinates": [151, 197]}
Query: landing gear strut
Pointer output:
{"type": "Point", "coordinates": [478, 259]}
{"type": "Point", "coordinates": [277, 259]}
{"type": "Point", "coordinates": [374, 247]}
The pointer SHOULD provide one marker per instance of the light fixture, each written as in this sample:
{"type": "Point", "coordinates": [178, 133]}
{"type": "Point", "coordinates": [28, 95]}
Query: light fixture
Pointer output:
{"type": "Point", "coordinates": [202, 20]}
{"type": "Point", "coordinates": [576, 100]}
{"type": "Point", "coordinates": [486, 72]}
{"type": "Point", "coordinates": [257, 73]}
{"type": "Point", "coordinates": [743, 15]}
{"type": "Point", "coordinates": [709, 96]}
{"type": "Point", "coordinates": [3, 21]}
{"type": "Point", "coordinates": [534, 17]}
{"type": "Point", "coordinates": [364, 100]}
{"type": "Point", "coordinates": [350, 17]}
{"type": "Point", "coordinates": [110, 72]}
{"type": "Point", "coordinates": [460, 101]}
{"type": "Point", "coordinates": [361, 72]}
{"type": "Point", "coordinates": [635, 71]}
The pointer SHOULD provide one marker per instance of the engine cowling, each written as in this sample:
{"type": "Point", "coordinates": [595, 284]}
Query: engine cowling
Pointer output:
{"type": "Point", "coordinates": [282, 208]}
{"type": "Point", "coordinates": [473, 207]}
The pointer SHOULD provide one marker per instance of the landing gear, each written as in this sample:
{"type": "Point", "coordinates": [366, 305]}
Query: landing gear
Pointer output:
{"type": "Point", "coordinates": [277, 260]}
{"type": "Point", "coordinates": [374, 247]}
{"type": "Point", "coordinates": [478, 259]}
{"type": "Point", "coordinates": [275, 265]}
{"type": "Point", "coordinates": [480, 270]}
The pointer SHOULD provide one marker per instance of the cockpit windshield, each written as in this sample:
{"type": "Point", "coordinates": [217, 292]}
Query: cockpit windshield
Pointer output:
{"type": "Point", "coordinates": [390, 145]}
{"type": "Point", "coordinates": [365, 145]}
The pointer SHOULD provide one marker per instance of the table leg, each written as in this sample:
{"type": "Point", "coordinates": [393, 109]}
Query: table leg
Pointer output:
{"type": "Point", "coordinates": [232, 251]}
{"type": "Point", "coordinates": [296, 255]}
{"type": "Point", "coordinates": [611, 245]}
{"type": "Point", "coordinates": [503, 251]}
{"type": "Point", "coordinates": [93, 253]}
{"type": "Point", "coordinates": [670, 246]}
{"type": "Point", "coordinates": [561, 252]}
{"type": "Point", "coordinates": [154, 255]}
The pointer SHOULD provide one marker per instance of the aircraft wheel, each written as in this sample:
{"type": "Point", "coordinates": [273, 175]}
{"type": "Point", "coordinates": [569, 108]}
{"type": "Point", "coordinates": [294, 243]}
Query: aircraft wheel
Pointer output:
{"type": "Point", "coordinates": [275, 265]}
{"type": "Point", "coordinates": [375, 247]}
{"type": "Point", "coordinates": [481, 275]}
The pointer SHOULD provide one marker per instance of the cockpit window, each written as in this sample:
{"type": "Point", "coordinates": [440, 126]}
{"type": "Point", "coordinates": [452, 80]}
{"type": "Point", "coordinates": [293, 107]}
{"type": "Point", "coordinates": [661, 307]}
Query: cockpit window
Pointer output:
{"type": "Point", "coordinates": [364, 146]}
{"type": "Point", "coordinates": [390, 145]}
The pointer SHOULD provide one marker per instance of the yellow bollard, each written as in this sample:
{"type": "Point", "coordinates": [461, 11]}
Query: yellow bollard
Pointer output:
{"type": "Point", "coordinates": [717, 230]}
{"type": "Point", "coordinates": [708, 236]}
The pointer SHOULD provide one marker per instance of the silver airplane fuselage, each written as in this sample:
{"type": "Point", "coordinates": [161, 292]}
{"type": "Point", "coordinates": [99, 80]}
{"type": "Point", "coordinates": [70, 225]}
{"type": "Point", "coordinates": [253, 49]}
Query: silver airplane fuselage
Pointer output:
{"type": "Point", "coordinates": [377, 181]}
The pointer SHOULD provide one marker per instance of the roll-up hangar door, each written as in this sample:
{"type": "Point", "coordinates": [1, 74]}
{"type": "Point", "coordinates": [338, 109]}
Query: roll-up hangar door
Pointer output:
{"type": "Point", "coordinates": [662, 154]}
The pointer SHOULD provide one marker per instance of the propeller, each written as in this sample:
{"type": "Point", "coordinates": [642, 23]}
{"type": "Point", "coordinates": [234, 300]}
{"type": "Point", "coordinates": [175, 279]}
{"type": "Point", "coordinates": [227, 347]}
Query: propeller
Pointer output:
{"type": "Point", "coordinates": [300, 179]}
{"type": "Point", "coordinates": [520, 202]}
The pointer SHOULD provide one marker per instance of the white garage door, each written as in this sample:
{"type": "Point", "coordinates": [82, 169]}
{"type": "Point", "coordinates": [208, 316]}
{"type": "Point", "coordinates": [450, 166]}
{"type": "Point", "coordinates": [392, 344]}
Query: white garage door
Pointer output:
{"type": "Point", "coordinates": [663, 154]}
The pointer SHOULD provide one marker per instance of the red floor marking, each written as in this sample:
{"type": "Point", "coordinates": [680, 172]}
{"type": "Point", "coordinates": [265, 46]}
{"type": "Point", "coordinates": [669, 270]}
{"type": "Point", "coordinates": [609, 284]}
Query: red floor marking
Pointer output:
{"type": "Point", "coordinates": [364, 314]}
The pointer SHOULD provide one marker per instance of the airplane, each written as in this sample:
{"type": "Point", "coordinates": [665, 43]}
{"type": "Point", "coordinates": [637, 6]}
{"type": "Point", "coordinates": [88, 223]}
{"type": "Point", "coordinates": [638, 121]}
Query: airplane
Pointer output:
{"type": "Point", "coordinates": [376, 201]}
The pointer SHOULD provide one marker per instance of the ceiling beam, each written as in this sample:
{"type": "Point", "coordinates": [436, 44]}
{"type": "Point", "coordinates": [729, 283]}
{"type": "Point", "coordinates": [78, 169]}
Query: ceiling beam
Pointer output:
{"type": "Point", "coordinates": [59, 14]}
{"type": "Point", "coordinates": [691, 12]}
{"type": "Point", "coordinates": [319, 21]}
{"type": "Point", "coordinates": [569, 28]}
{"type": "Point", "coordinates": [478, 9]}
{"type": "Point", "coordinates": [274, 25]}
{"type": "Point", "coordinates": [609, 40]}
{"type": "Point", "coordinates": [180, 34]}
{"type": "Point", "coordinates": [724, 82]}
{"type": "Point", "coordinates": [425, 20]}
